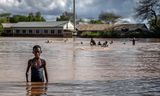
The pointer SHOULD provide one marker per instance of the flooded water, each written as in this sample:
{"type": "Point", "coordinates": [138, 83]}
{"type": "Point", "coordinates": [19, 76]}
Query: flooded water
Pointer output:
{"type": "Point", "coordinates": [76, 69]}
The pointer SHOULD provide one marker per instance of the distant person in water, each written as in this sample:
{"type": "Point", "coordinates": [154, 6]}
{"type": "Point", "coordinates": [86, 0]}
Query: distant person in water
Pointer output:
{"type": "Point", "coordinates": [48, 41]}
{"type": "Point", "coordinates": [66, 40]}
{"type": "Point", "coordinates": [37, 66]}
{"type": "Point", "coordinates": [134, 41]}
{"type": "Point", "coordinates": [111, 42]}
{"type": "Point", "coordinates": [99, 43]}
{"type": "Point", "coordinates": [92, 42]}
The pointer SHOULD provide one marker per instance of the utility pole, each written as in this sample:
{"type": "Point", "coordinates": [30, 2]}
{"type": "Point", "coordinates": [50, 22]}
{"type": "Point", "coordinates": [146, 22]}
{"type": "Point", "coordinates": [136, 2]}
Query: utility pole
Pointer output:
{"type": "Point", "coordinates": [74, 17]}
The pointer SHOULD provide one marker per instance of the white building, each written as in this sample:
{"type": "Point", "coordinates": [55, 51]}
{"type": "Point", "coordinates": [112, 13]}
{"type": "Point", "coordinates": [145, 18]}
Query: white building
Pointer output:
{"type": "Point", "coordinates": [51, 28]}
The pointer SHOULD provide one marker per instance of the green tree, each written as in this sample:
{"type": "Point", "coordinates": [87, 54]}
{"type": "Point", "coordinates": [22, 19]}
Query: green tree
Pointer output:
{"type": "Point", "coordinates": [108, 17]}
{"type": "Point", "coordinates": [153, 25]}
{"type": "Point", "coordinates": [14, 19]}
{"type": "Point", "coordinates": [5, 14]}
{"type": "Point", "coordinates": [18, 18]}
{"type": "Point", "coordinates": [4, 17]}
{"type": "Point", "coordinates": [66, 16]}
{"type": "Point", "coordinates": [1, 29]}
{"type": "Point", "coordinates": [31, 17]}
{"type": "Point", "coordinates": [3, 20]}
{"type": "Point", "coordinates": [155, 28]}
{"type": "Point", "coordinates": [38, 17]}
{"type": "Point", "coordinates": [96, 22]}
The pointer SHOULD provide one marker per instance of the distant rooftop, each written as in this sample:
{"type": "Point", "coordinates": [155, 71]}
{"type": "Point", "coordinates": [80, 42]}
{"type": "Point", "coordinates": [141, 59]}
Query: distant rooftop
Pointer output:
{"type": "Point", "coordinates": [36, 24]}
{"type": "Point", "coordinates": [103, 27]}
{"type": "Point", "coordinates": [92, 27]}
{"type": "Point", "coordinates": [130, 26]}
{"type": "Point", "coordinates": [8, 25]}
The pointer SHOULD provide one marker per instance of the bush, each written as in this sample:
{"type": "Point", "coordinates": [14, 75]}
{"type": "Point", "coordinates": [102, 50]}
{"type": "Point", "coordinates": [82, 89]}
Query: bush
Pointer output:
{"type": "Point", "coordinates": [1, 29]}
{"type": "Point", "coordinates": [118, 34]}
{"type": "Point", "coordinates": [105, 34]}
{"type": "Point", "coordinates": [90, 34]}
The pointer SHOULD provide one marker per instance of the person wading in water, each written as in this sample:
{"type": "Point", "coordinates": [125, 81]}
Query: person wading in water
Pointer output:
{"type": "Point", "coordinates": [37, 66]}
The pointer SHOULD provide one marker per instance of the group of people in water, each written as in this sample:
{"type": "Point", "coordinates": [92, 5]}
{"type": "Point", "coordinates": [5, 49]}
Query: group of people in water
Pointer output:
{"type": "Point", "coordinates": [50, 41]}
{"type": "Point", "coordinates": [106, 43]}
{"type": "Point", "coordinates": [93, 43]}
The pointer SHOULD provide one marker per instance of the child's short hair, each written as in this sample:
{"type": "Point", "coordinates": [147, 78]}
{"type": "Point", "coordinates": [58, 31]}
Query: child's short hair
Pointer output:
{"type": "Point", "coordinates": [36, 47]}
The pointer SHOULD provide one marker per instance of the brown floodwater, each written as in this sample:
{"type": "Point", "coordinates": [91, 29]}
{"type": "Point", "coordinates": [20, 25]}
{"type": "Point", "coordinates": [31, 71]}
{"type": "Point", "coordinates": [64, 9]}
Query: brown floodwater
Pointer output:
{"type": "Point", "coordinates": [77, 69]}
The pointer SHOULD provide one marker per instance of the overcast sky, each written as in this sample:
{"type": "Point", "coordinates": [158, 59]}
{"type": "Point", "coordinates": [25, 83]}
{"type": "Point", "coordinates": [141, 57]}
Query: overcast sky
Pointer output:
{"type": "Point", "coordinates": [50, 9]}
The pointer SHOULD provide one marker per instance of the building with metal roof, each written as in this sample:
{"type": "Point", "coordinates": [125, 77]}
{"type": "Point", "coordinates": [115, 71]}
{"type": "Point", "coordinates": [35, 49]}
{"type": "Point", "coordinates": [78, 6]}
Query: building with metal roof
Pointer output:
{"type": "Point", "coordinates": [50, 28]}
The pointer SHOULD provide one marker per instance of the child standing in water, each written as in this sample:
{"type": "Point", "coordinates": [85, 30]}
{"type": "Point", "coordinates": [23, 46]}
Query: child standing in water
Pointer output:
{"type": "Point", "coordinates": [37, 66]}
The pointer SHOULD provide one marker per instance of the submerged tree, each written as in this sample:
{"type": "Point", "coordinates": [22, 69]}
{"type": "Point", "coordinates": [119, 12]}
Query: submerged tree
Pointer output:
{"type": "Point", "coordinates": [148, 10]}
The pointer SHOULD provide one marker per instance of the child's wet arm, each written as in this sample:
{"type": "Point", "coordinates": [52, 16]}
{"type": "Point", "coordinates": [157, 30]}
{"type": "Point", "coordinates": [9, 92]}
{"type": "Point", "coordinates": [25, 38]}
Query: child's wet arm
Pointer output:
{"type": "Point", "coordinates": [28, 66]}
{"type": "Point", "coordinates": [46, 74]}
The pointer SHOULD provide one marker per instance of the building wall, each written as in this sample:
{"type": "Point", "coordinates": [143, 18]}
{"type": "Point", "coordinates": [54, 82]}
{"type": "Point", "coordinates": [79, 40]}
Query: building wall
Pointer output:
{"type": "Point", "coordinates": [69, 26]}
{"type": "Point", "coordinates": [37, 32]}
{"type": "Point", "coordinates": [49, 31]}
{"type": "Point", "coordinates": [68, 29]}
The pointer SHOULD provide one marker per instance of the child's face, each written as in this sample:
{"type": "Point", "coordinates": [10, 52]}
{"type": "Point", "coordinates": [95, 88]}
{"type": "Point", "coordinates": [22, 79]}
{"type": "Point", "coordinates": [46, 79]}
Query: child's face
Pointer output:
{"type": "Point", "coordinates": [37, 52]}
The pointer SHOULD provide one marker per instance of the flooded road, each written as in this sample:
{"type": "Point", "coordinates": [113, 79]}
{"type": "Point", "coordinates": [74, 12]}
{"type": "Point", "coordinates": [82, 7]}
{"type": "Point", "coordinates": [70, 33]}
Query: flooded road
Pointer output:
{"type": "Point", "coordinates": [76, 69]}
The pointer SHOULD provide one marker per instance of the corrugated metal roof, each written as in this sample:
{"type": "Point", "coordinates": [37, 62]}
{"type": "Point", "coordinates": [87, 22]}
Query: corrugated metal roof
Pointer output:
{"type": "Point", "coordinates": [103, 27]}
{"type": "Point", "coordinates": [8, 25]}
{"type": "Point", "coordinates": [36, 24]}
{"type": "Point", "coordinates": [41, 24]}
{"type": "Point", "coordinates": [94, 27]}
{"type": "Point", "coordinates": [130, 26]}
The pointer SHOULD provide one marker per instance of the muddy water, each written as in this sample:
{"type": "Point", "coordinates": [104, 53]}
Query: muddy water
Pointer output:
{"type": "Point", "coordinates": [77, 69]}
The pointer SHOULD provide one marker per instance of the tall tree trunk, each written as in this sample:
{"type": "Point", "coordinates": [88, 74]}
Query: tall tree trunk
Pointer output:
{"type": "Point", "coordinates": [155, 17]}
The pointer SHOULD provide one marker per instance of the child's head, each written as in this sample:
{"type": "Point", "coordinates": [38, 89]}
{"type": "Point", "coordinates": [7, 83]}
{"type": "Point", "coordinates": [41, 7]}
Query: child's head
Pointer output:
{"type": "Point", "coordinates": [37, 51]}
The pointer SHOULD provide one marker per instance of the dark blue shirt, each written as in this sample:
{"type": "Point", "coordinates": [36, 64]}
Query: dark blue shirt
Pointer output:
{"type": "Point", "coordinates": [37, 72]}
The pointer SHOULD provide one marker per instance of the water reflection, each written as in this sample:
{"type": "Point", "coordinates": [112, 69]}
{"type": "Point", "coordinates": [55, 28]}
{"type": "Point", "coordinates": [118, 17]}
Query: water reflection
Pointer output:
{"type": "Point", "coordinates": [36, 89]}
{"type": "Point", "coordinates": [149, 59]}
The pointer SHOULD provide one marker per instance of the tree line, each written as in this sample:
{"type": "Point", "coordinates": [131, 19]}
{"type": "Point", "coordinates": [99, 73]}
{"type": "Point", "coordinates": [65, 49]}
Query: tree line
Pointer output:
{"type": "Point", "coordinates": [9, 18]}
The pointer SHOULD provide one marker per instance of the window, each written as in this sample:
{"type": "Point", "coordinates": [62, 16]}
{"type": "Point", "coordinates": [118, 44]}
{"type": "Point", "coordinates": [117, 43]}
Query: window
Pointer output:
{"type": "Point", "coordinates": [30, 31]}
{"type": "Point", "coordinates": [17, 31]}
{"type": "Point", "coordinates": [24, 31]}
{"type": "Point", "coordinates": [59, 31]}
{"type": "Point", "coordinates": [46, 31]}
{"type": "Point", "coordinates": [37, 31]}
{"type": "Point", "coordinates": [52, 31]}
{"type": "Point", "coordinates": [8, 31]}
